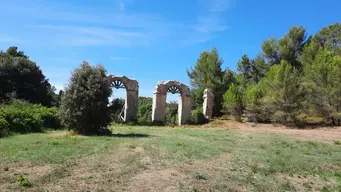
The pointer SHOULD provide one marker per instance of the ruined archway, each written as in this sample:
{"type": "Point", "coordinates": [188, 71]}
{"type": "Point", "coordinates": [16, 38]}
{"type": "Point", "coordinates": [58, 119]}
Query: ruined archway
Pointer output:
{"type": "Point", "coordinates": [160, 96]}
{"type": "Point", "coordinates": [132, 89]}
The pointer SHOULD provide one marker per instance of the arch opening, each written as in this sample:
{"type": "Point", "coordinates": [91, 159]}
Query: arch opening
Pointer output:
{"type": "Point", "coordinates": [129, 111]}
{"type": "Point", "coordinates": [160, 97]}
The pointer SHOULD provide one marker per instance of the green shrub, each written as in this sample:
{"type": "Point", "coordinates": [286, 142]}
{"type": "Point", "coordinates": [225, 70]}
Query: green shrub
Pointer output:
{"type": "Point", "coordinates": [198, 117]}
{"type": "Point", "coordinates": [84, 105]}
{"type": "Point", "coordinates": [200, 176]}
{"type": "Point", "coordinates": [144, 121]}
{"type": "Point", "coordinates": [4, 128]}
{"type": "Point", "coordinates": [171, 113]}
{"type": "Point", "coordinates": [23, 117]}
{"type": "Point", "coordinates": [22, 181]}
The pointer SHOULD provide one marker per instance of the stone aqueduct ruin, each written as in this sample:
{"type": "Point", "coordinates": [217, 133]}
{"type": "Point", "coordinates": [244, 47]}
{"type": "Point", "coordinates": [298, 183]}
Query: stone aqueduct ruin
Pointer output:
{"type": "Point", "coordinates": [159, 99]}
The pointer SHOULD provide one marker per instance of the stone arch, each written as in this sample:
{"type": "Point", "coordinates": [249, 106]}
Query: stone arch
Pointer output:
{"type": "Point", "coordinates": [132, 94]}
{"type": "Point", "coordinates": [160, 96]}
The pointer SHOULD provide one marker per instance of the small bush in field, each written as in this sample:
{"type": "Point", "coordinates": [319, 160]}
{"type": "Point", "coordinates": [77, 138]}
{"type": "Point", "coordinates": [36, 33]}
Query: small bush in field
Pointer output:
{"type": "Point", "coordinates": [198, 117]}
{"type": "Point", "coordinates": [200, 176]}
{"type": "Point", "coordinates": [22, 181]}
{"type": "Point", "coordinates": [337, 142]}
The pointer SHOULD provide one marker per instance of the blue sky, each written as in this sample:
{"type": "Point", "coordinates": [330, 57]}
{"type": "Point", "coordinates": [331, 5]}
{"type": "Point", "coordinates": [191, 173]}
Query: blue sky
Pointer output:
{"type": "Point", "coordinates": [150, 40]}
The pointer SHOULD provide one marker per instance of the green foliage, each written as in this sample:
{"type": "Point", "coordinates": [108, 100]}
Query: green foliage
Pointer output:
{"type": "Point", "coordinates": [287, 48]}
{"type": "Point", "coordinates": [200, 176]}
{"type": "Point", "coordinates": [13, 51]}
{"type": "Point", "coordinates": [22, 181]}
{"type": "Point", "coordinates": [198, 118]}
{"type": "Point", "coordinates": [144, 121]}
{"type": "Point", "coordinates": [84, 103]}
{"type": "Point", "coordinates": [23, 117]}
{"type": "Point", "coordinates": [4, 126]}
{"type": "Point", "coordinates": [115, 108]}
{"type": "Point", "coordinates": [207, 73]}
{"type": "Point", "coordinates": [171, 113]}
{"type": "Point", "coordinates": [322, 82]}
{"type": "Point", "coordinates": [337, 142]}
{"type": "Point", "coordinates": [233, 101]}
{"type": "Point", "coordinates": [244, 66]}
{"type": "Point", "coordinates": [253, 104]}
{"type": "Point", "coordinates": [22, 79]}
{"type": "Point", "coordinates": [329, 38]}
{"type": "Point", "coordinates": [145, 110]}
{"type": "Point", "coordinates": [282, 93]}
{"type": "Point", "coordinates": [300, 87]}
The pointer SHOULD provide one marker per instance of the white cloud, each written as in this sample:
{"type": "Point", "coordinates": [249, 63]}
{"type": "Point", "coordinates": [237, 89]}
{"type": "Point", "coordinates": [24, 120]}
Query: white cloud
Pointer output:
{"type": "Point", "coordinates": [71, 25]}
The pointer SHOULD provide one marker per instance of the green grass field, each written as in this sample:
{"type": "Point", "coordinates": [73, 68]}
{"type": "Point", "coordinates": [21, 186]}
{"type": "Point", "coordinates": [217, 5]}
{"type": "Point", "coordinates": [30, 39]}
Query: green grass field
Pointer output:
{"type": "Point", "coordinates": [169, 159]}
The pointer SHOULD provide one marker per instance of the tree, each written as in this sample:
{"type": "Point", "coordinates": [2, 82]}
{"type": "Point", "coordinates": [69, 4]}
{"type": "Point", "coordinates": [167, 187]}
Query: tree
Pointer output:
{"type": "Point", "coordinates": [258, 68]}
{"type": "Point", "coordinates": [283, 93]}
{"type": "Point", "coordinates": [253, 104]}
{"type": "Point", "coordinates": [330, 38]}
{"type": "Point", "coordinates": [145, 108]}
{"type": "Point", "coordinates": [270, 51]}
{"type": "Point", "coordinates": [85, 100]}
{"type": "Point", "coordinates": [322, 82]}
{"type": "Point", "coordinates": [13, 51]}
{"type": "Point", "coordinates": [21, 78]}
{"type": "Point", "coordinates": [244, 67]}
{"type": "Point", "coordinates": [252, 69]}
{"type": "Point", "coordinates": [115, 108]}
{"type": "Point", "coordinates": [207, 73]}
{"type": "Point", "coordinates": [288, 48]}
{"type": "Point", "coordinates": [233, 101]}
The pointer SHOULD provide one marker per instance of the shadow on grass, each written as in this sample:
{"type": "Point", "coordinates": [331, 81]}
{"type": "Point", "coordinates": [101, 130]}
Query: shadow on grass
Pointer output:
{"type": "Point", "coordinates": [108, 133]}
{"type": "Point", "coordinates": [129, 135]}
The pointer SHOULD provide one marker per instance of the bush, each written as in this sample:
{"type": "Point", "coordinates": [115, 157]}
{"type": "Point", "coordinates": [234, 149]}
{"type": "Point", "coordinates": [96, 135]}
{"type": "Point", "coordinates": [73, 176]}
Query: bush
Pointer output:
{"type": "Point", "coordinates": [22, 181]}
{"type": "Point", "coordinates": [23, 117]}
{"type": "Point", "coordinates": [84, 104]}
{"type": "Point", "coordinates": [171, 113]}
{"type": "Point", "coordinates": [115, 109]}
{"type": "Point", "coordinates": [198, 117]}
{"type": "Point", "coordinates": [4, 128]}
{"type": "Point", "coordinates": [144, 121]}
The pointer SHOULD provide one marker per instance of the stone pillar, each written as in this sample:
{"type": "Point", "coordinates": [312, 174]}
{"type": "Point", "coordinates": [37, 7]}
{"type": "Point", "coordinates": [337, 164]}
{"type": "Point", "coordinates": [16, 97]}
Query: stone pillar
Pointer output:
{"type": "Point", "coordinates": [184, 109]}
{"type": "Point", "coordinates": [130, 111]}
{"type": "Point", "coordinates": [159, 106]}
{"type": "Point", "coordinates": [208, 103]}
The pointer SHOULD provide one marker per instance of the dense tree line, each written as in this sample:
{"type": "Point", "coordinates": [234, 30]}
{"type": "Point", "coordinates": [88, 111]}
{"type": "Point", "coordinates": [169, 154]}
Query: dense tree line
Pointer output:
{"type": "Point", "coordinates": [294, 80]}
{"type": "Point", "coordinates": [21, 78]}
